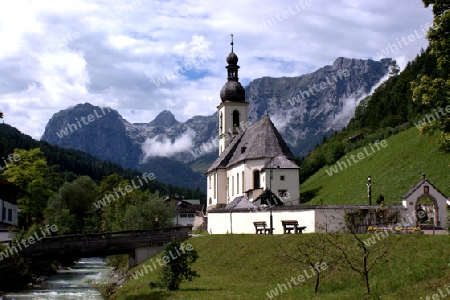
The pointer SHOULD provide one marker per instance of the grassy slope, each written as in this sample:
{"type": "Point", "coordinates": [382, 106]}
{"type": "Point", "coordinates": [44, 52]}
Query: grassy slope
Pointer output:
{"type": "Point", "coordinates": [394, 169]}
{"type": "Point", "coordinates": [249, 266]}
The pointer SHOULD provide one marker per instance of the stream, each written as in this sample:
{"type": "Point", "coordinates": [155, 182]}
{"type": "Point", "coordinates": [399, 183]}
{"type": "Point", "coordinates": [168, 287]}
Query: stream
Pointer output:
{"type": "Point", "coordinates": [69, 284]}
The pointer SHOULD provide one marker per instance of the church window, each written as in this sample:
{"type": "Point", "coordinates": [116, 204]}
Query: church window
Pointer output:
{"type": "Point", "coordinates": [215, 185]}
{"type": "Point", "coordinates": [210, 178]}
{"type": "Point", "coordinates": [256, 184]}
{"type": "Point", "coordinates": [210, 201]}
{"type": "Point", "coordinates": [237, 183]}
{"type": "Point", "coordinates": [232, 186]}
{"type": "Point", "coordinates": [243, 186]}
{"type": "Point", "coordinates": [220, 124]}
{"type": "Point", "coordinates": [235, 118]}
{"type": "Point", "coordinates": [282, 193]}
{"type": "Point", "coordinates": [282, 177]}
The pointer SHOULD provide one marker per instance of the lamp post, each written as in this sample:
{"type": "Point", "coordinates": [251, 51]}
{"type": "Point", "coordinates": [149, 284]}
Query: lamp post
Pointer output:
{"type": "Point", "coordinates": [270, 197]}
{"type": "Point", "coordinates": [369, 189]}
{"type": "Point", "coordinates": [270, 193]}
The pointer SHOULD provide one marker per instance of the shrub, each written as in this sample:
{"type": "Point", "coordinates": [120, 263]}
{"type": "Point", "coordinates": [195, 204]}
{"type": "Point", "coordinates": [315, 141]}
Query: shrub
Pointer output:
{"type": "Point", "coordinates": [178, 258]}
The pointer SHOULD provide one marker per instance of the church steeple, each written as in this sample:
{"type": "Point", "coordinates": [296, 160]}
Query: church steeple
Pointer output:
{"type": "Point", "coordinates": [232, 67]}
{"type": "Point", "coordinates": [232, 90]}
{"type": "Point", "coordinates": [233, 111]}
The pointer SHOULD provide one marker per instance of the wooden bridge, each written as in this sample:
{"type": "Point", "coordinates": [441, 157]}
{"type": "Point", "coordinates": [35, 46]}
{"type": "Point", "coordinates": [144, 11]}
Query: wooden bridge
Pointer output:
{"type": "Point", "coordinates": [103, 244]}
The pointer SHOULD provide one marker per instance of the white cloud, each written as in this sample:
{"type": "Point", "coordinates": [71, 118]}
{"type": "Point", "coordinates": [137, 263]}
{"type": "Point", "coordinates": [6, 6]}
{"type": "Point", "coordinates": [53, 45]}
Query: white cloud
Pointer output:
{"type": "Point", "coordinates": [122, 45]}
{"type": "Point", "coordinates": [162, 146]}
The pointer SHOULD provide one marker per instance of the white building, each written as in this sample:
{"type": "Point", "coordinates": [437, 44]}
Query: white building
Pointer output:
{"type": "Point", "coordinates": [8, 208]}
{"type": "Point", "coordinates": [248, 154]}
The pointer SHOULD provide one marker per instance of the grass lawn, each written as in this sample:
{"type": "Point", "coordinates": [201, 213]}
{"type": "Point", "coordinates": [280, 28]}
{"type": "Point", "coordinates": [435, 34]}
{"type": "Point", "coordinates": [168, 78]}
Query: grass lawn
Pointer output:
{"type": "Point", "coordinates": [249, 266]}
{"type": "Point", "coordinates": [394, 169]}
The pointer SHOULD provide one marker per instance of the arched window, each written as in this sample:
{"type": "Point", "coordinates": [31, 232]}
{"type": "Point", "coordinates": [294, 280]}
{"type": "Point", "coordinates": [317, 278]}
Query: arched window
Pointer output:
{"type": "Point", "coordinates": [210, 201]}
{"type": "Point", "coordinates": [235, 118]}
{"type": "Point", "coordinates": [214, 188]}
{"type": "Point", "coordinates": [256, 184]}
{"type": "Point", "coordinates": [220, 124]}
{"type": "Point", "coordinates": [237, 183]}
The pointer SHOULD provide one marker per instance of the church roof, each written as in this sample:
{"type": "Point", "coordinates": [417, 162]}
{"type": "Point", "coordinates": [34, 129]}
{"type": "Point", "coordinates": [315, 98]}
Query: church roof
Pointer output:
{"type": "Point", "coordinates": [240, 203]}
{"type": "Point", "coordinates": [260, 140]}
{"type": "Point", "coordinates": [280, 162]}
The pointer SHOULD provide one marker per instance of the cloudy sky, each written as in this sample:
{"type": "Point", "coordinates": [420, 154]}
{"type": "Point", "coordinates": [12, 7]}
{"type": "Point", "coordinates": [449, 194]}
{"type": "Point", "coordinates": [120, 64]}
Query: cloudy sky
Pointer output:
{"type": "Point", "coordinates": [144, 56]}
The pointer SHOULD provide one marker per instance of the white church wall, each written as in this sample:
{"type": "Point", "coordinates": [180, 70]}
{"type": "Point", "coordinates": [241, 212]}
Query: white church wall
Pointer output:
{"type": "Point", "coordinates": [235, 188]}
{"type": "Point", "coordinates": [290, 184]}
{"type": "Point", "coordinates": [217, 193]}
{"type": "Point", "coordinates": [242, 222]}
{"type": "Point", "coordinates": [249, 167]}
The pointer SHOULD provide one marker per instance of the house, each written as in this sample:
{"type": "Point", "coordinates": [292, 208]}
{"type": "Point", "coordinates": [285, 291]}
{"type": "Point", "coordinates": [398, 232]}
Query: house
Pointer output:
{"type": "Point", "coordinates": [186, 210]}
{"type": "Point", "coordinates": [9, 193]}
{"type": "Point", "coordinates": [252, 157]}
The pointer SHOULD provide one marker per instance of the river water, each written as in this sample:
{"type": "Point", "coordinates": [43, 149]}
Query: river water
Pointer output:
{"type": "Point", "coordinates": [72, 283]}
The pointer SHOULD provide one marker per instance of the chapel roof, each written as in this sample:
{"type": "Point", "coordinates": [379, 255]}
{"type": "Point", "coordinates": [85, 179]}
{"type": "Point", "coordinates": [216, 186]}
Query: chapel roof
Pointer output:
{"type": "Point", "coordinates": [418, 185]}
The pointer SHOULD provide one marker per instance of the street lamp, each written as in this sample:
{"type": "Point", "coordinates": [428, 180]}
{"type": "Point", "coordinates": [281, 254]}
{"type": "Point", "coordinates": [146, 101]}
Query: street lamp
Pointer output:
{"type": "Point", "coordinates": [369, 189]}
{"type": "Point", "coordinates": [270, 198]}
{"type": "Point", "coordinates": [270, 194]}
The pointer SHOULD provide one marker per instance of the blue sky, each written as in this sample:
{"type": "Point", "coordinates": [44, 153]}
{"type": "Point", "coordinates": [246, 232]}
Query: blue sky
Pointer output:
{"type": "Point", "coordinates": [58, 53]}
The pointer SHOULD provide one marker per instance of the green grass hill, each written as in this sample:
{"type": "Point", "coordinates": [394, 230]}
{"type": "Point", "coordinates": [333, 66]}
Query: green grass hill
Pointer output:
{"type": "Point", "coordinates": [394, 169]}
{"type": "Point", "coordinates": [250, 266]}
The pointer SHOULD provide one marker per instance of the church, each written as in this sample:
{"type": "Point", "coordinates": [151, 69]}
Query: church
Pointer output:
{"type": "Point", "coordinates": [253, 158]}
{"type": "Point", "coordinates": [254, 180]}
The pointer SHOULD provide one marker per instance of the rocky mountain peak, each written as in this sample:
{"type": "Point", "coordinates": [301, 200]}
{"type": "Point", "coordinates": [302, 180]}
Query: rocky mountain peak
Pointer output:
{"type": "Point", "coordinates": [164, 119]}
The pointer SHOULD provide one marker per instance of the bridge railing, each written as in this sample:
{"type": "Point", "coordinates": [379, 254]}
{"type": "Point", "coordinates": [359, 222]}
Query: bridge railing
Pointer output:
{"type": "Point", "coordinates": [116, 242]}
{"type": "Point", "coordinates": [115, 233]}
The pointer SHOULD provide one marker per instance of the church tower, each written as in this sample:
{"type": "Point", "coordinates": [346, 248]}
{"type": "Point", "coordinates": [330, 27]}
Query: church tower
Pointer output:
{"type": "Point", "coordinates": [233, 110]}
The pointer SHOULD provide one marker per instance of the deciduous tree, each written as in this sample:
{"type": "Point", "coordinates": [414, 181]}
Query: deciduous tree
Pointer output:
{"type": "Point", "coordinates": [435, 92]}
{"type": "Point", "coordinates": [30, 173]}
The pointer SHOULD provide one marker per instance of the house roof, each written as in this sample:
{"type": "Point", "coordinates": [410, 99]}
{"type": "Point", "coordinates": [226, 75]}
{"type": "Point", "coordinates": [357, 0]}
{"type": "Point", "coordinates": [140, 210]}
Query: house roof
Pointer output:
{"type": "Point", "coordinates": [192, 201]}
{"type": "Point", "coordinates": [189, 208]}
{"type": "Point", "coordinates": [10, 192]}
{"type": "Point", "coordinates": [260, 140]}
{"type": "Point", "coordinates": [417, 186]}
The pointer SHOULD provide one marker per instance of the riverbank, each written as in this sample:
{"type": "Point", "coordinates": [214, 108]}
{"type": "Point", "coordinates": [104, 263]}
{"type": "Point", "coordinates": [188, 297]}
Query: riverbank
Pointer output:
{"type": "Point", "coordinates": [75, 282]}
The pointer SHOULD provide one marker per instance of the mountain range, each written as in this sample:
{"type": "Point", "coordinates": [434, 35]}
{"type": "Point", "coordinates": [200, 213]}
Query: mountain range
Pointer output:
{"type": "Point", "coordinates": [303, 108]}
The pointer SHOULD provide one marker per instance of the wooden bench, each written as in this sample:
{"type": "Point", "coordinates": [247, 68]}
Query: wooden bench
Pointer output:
{"type": "Point", "coordinates": [289, 225]}
{"type": "Point", "coordinates": [261, 227]}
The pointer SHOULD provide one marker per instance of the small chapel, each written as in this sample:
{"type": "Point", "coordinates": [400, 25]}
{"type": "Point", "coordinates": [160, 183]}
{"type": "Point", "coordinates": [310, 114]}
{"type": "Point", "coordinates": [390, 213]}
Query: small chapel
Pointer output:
{"type": "Point", "coordinates": [253, 158]}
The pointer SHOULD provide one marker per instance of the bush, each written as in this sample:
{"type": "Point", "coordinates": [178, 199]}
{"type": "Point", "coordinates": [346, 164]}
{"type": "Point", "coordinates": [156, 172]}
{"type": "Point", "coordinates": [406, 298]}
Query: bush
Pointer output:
{"type": "Point", "coordinates": [178, 258]}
